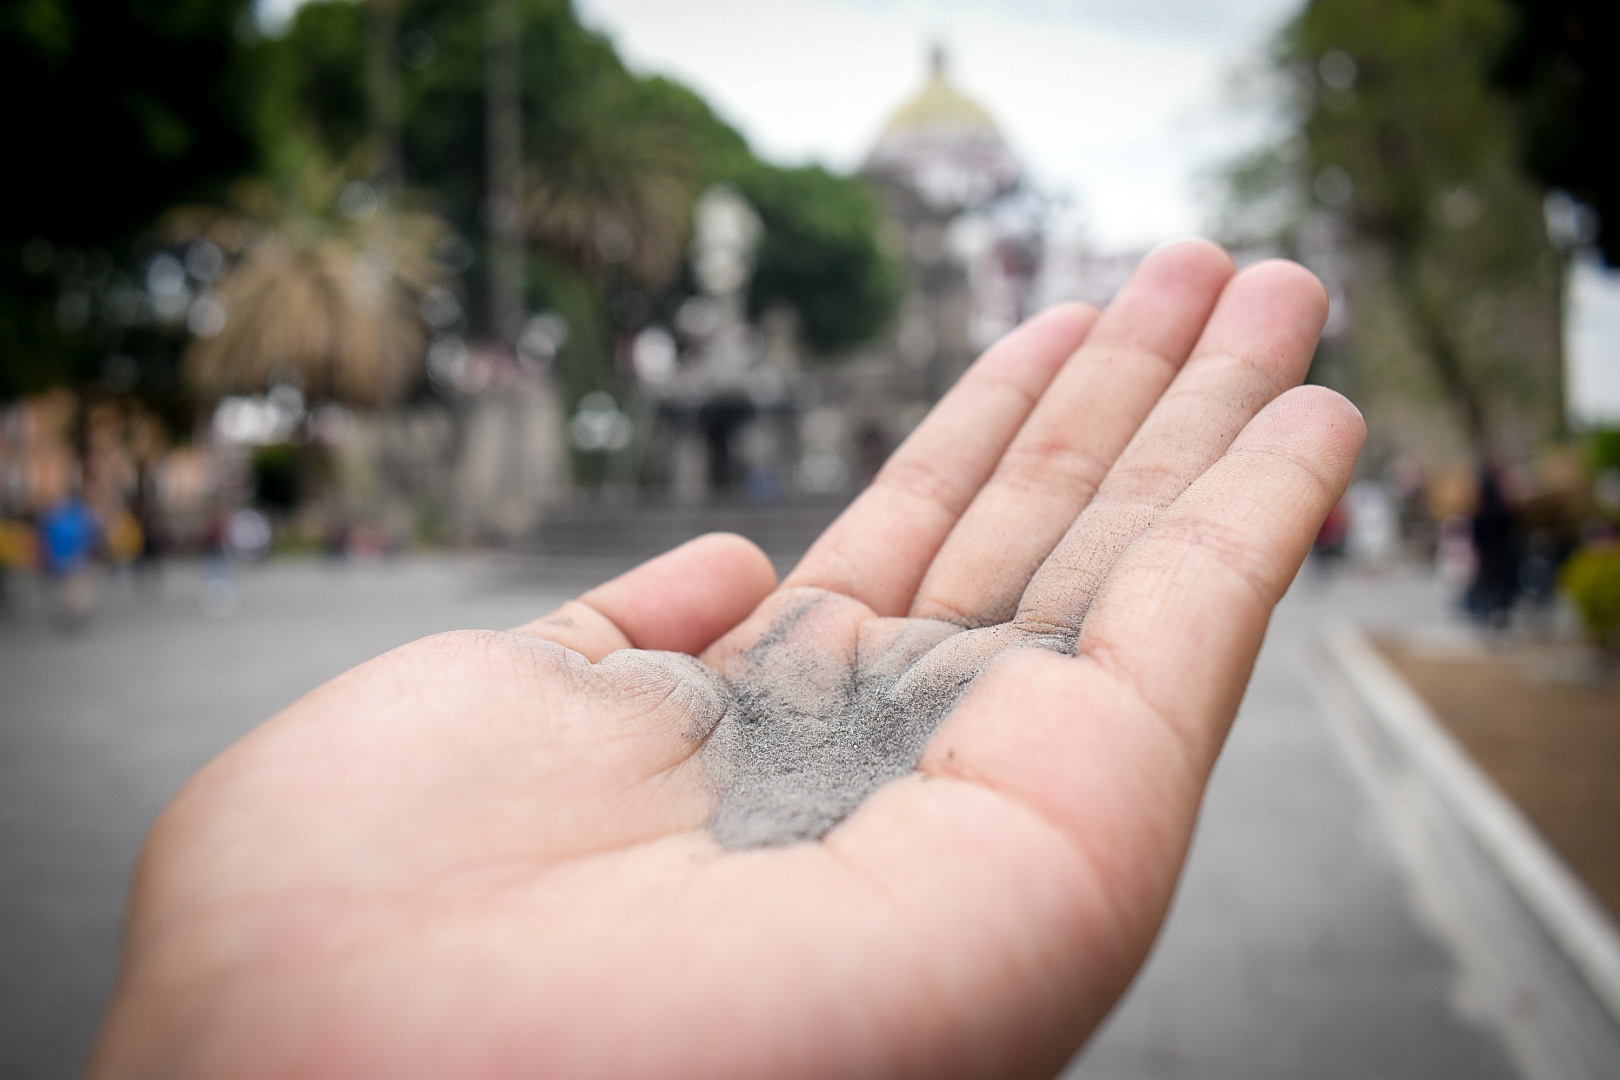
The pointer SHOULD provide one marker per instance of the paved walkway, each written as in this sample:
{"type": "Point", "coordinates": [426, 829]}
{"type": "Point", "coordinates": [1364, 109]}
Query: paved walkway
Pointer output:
{"type": "Point", "coordinates": [1300, 945]}
{"type": "Point", "coordinates": [1293, 949]}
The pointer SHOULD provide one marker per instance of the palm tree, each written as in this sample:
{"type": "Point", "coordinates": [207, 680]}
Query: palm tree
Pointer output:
{"type": "Point", "coordinates": [612, 190]}
{"type": "Point", "coordinates": [330, 300]}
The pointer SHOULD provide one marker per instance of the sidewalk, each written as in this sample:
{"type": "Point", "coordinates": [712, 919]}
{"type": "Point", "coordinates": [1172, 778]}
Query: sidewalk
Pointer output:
{"type": "Point", "coordinates": [1303, 944]}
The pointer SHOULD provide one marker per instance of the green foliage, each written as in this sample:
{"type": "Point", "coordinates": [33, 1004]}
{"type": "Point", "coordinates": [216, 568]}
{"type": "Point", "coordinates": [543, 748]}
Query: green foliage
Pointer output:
{"type": "Point", "coordinates": [35, 352]}
{"type": "Point", "coordinates": [128, 108]}
{"type": "Point", "coordinates": [579, 366]}
{"type": "Point", "coordinates": [603, 144]}
{"type": "Point", "coordinates": [121, 108]}
{"type": "Point", "coordinates": [1262, 194]}
{"type": "Point", "coordinates": [1603, 449]}
{"type": "Point", "coordinates": [720, 152]}
{"type": "Point", "coordinates": [1591, 577]}
{"type": "Point", "coordinates": [116, 110]}
{"type": "Point", "coordinates": [278, 475]}
{"type": "Point", "coordinates": [443, 101]}
{"type": "Point", "coordinates": [311, 100]}
{"type": "Point", "coordinates": [819, 254]}
{"type": "Point", "coordinates": [1558, 61]}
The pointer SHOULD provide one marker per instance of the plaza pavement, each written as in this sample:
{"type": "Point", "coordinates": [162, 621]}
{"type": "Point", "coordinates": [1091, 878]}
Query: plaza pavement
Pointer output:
{"type": "Point", "coordinates": [1307, 940]}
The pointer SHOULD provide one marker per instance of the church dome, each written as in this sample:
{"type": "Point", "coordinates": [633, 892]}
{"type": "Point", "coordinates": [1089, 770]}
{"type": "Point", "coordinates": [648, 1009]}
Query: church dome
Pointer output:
{"type": "Point", "coordinates": [939, 107]}
{"type": "Point", "coordinates": [945, 146]}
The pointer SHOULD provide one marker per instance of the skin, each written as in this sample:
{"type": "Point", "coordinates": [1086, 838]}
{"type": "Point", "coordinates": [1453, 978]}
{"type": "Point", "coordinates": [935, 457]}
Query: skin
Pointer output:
{"type": "Point", "coordinates": [489, 855]}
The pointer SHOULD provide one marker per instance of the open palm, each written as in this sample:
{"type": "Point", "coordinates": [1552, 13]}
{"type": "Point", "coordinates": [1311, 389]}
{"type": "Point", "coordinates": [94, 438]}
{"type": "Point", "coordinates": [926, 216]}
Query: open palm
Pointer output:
{"type": "Point", "coordinates": [917, 811]}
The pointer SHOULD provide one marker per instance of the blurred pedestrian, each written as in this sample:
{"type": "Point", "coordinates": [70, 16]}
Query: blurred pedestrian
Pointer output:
{"type": "Point", "coordinates": [1454, 555]}
{"type": "Point", "coordinates": [1328, 549]}
{"type": "Point", "coordinates": [248, 534]}
{"type": "Point", "coordinates": [148, 563]}
{"type": "Point", "coordinates": [219, 595]}
{"type": "Point", "coordinates": [1419, 533]}
{"type": "Point", "coordinates": [123, 539]}
{"type": "Point", "coordinates": [69, 533]}
{"type": "Point", "coordinates": [19, 554]}
{"type": "Point", "coordinates": [1495, 526]}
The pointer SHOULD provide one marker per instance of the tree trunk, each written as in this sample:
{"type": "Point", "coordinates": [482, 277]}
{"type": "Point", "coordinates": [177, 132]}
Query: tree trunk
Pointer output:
{"type": "Point", "coordinates": [1433, 338]}
{"type": "Point", "coordinates": [504, 137]}
{"type": "Point", "coordinates": [382, 88]}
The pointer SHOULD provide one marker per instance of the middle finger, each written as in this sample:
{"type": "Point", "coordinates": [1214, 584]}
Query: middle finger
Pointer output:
{"type": "Point", "coordinates": [1083, 421]}
{"type": "Point", "coordinates": [1258, 343]}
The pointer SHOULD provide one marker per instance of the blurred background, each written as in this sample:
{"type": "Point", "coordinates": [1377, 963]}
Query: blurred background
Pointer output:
{"type": "Point", "coordinates": [376, 277]}
{"type": "Point", "coordinates": [328, 324]}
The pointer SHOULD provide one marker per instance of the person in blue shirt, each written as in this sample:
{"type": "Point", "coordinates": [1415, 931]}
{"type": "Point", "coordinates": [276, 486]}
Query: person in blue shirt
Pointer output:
{"type": "Point", "coordinates": [68, 535]}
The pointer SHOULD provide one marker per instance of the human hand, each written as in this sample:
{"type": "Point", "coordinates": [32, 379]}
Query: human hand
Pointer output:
{"type": "Point", "coordinates": [917, 811]}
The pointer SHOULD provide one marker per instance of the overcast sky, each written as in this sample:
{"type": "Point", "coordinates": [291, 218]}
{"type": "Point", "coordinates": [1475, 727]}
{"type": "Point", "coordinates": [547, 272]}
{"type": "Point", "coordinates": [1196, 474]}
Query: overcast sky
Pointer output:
{"type": "Point", "coordinates": [1121, 104]}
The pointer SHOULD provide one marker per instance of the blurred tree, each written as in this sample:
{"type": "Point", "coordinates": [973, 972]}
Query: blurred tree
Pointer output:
{"type": "Point", "coordinates": [325, 291]}
{"type": "Point", "coordinates": [614, 163]}
{"type": "Point", "coordinates": [1403, 151]}
{"type": "Point", "coordinates": [177, 101]}
{"type": "Point", "coordinates": [818, 254]}
{"type": "Point", "coordinates": [312, 90]}
{"type": "Point", "coordinates": [1559, 62]}
{"type": "Point", "coordinates": [382, 88]}
{"type": "Point", "coordinates": [503, 170]}
{"type": "Point", "coordinates": [611, 190]}
{"type": "Point", "coordinates": [116, 109]}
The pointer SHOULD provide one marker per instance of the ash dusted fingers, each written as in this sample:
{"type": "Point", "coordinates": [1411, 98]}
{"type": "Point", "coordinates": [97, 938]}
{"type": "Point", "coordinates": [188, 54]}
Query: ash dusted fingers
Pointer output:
{"type": "Point", "coordinates": [1258, 343]}
{"type": "Point", "coordinates": [1052, 810]}
{"type": "Point", "coordinates": [1054, 465]}
{"type": "Point", "coordinates": [880, 547]}
{"type": "Point", "coordinates": [1181, 617]}
{"type": "Point", "coordinates": [1112, 747]}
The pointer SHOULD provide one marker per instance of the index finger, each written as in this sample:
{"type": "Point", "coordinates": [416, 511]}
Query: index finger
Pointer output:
{"type": "Point", "coordinates": [880, 547]}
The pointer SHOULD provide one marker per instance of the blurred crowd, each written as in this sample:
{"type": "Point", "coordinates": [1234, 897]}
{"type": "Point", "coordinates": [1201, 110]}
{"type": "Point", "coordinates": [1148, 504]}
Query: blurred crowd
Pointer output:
{"type": "Point", "coordinates": [89, 489]}
{"type": "Point", "coordinates": [92, 490]}
{"type": "Point", "coordinates": [1509, 540]}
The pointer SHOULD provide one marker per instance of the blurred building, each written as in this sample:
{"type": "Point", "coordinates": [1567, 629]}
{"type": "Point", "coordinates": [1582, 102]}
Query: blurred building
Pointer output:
{"type": "Point", "coordinates": [739, 409]}
{"type": "Point", "coordinates": [743, 410]}
{"type": "Point", "coordinates": [970, 228]}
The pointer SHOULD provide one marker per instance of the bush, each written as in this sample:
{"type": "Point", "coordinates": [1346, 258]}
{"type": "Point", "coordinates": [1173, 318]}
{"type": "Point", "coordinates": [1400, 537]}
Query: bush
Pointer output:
{"type": "Point", "coordinates": [1603, 449]}
{"type": "Point", "coordinates": [1592, 579]}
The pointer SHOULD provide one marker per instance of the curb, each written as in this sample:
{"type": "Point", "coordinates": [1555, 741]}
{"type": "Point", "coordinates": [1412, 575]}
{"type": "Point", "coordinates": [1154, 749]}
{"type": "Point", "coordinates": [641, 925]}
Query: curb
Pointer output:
{"type": "Point", "coordinates": [1567, 910]}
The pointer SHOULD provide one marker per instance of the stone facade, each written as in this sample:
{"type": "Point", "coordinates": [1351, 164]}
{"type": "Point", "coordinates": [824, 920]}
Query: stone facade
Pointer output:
{"type": "Point", "coordinates": [961, 212]}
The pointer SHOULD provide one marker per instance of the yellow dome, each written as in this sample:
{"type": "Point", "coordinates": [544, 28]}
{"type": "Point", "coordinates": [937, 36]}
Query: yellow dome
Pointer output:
{"type": "Point", "coordinates": [939, 106]}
